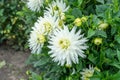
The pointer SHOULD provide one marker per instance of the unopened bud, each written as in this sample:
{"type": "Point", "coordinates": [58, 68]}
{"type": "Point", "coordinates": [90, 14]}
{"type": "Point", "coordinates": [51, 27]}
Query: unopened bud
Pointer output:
{"type": "Point", "coordinates": [103, 26]}
{"type": "Point", "coordinates": [84, 19]}
{"type": "Point", "coordinates": [78, 22]}
{"type": "Point", "coordinates": [98, 41]}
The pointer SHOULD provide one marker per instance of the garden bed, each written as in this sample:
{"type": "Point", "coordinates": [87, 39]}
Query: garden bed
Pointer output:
{"type": "Point", "coordinates": [14, 68]}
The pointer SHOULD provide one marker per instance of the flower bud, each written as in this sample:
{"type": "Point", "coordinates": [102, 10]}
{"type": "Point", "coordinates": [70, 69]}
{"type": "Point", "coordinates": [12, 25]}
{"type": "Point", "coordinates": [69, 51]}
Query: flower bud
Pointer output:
{"type": "Point", "coordinates": [68, 66]}
{"type": "Point", "coordinates": [98, 41]}
{"type": "Point", "coordinates": [78, 22]}
{"type": "Point", "coordinates": [84, 19]}
{"type": "Point", "coordinates": [103, 26]}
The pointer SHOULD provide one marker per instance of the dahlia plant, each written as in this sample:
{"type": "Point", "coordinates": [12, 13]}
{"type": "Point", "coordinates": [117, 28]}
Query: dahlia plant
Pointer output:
{"type": "Point", "coordinates": [73, 41]}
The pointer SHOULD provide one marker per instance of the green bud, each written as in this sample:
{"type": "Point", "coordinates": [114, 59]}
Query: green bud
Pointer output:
{"type": "Point", "coordinates": [103, 26]}
{"type": "Point", "coordinates": [98, 41]}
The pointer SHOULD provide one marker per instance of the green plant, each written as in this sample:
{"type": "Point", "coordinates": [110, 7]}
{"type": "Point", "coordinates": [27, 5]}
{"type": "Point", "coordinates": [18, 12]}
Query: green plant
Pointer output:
{"type": "Point", "coordinates": [99, 20]}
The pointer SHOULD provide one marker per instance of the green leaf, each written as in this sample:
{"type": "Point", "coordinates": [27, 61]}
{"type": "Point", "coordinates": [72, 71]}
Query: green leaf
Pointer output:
{"type": "Point", "coordinates": [116, 76]}
{"type": "Point", "coordinates": [118, 55]}
{"type": "Point", "coordinates": [95, 78]}
{"type": "Point", "coordinates": [92, 58]}
{"type": "Point", "coordinates": [101, 1]}
{"type": "Point", "coordinates": [80, 2]}
{"type": "Point", "coordinates": [36, 76]}
{"type": "Point", "coordinates": [1, 12]}
{"type": "Point", "coordinates": [100, 10]}
{"type": "Point", "coordinates": [115, 64]}
{"type": "Point", "coordinates": [117, 38]}
{"type": "Point", "coordinates": [20, 13]}
{"type": "Point", "coordinates": [113, 30]}
{"type": "Point", "coordinates": [76, 12]}
{"type": "Point", "coordinates": [115, 5]}
{"type": "Point", "coordinates": [90, 33]}
{"type": "Point", "coordinates": [101, 33]}
{"type": "Point", "coordinates": [42, 61]}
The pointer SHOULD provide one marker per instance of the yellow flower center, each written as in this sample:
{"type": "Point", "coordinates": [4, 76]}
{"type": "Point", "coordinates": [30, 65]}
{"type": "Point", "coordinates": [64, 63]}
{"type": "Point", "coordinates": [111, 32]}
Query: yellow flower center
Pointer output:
{"type": "Point", "coordinates": [56, 8]}
{"type": "Point", "coordinates": [47, 26]}
{"type": "Point", "coordinates": [64, 43]}
{"type": "Point", "coordinates": [40, 38]}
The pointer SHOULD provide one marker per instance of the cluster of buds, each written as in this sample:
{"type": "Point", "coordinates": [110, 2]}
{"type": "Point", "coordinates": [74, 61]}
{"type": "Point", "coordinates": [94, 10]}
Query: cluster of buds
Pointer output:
{"type": "Point", "coordinates": [79, 21]}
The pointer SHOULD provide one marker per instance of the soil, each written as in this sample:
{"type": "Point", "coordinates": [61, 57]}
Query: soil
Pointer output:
{"type": "Point", "coordinates": [15, 67]}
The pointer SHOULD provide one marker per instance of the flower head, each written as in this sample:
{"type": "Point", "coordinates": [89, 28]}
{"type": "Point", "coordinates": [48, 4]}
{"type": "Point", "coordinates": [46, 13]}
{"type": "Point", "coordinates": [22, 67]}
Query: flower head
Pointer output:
{"type": "Point", "coordinates": [87, 73]}
{"type": "Point", "coordinates": [46, 23]}
{"type": "Point", "coordinates": [56, 8]}
{"type": "Point", "coordinates": [35, 5]}
{"type": "Point", "coordinates": [36, 41]}
{"type": "Point", "coordinates": [66, 46]}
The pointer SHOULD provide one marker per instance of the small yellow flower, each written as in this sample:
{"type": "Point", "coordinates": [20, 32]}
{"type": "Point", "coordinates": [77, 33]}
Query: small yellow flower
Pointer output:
{"type": "Point", "coordinates": [103, 26]}
{"type": "Point", "coordinates": [98, 41]}
{"type": "Point", "coordinates": [78, 22]}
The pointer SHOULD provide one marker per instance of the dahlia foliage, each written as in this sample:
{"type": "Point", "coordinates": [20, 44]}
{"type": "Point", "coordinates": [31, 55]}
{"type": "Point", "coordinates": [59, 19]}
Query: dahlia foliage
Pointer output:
{"type": "Point", "coordinates": [67, 42]}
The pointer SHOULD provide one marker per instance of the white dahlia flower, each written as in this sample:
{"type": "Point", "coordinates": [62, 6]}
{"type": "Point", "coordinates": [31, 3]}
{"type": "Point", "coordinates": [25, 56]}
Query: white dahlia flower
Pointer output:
{"type": "Point", "coordinates": [46, 23]}
{"type": "Point", "coordinates": [87, 73]}
{"type": "Point", "coordinates": [36, 41]}
{"type": "Point", "coordinates": [35, 5]}
{"type": "Point", "coordinates": [56, 7]}
{"type": "Point", "coordinates": [66, 46]}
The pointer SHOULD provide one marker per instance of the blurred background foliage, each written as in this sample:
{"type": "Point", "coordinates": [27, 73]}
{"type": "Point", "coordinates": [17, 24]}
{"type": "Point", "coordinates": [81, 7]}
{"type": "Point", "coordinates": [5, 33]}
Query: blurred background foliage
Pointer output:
{"type": "Point", "coordinates": [16, 21]}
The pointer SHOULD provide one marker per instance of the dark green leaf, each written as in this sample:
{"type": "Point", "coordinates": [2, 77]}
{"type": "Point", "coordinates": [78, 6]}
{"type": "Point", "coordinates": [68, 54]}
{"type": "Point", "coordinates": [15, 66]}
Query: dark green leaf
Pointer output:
{"type": "Point", "coordinates": [117, 38]}
{"type": "Point", "coordinates": [80, 2]}
{"type": "Point", "coordinates": [42, 61]}
{"type": "Point", "coordinates": [118, 55]}
{"type": "Point", "coordinates": [92, 58]}
{"type": "Point", "coordinates": [101, 1]}
{"type": "Point", "coordinates": [101, 33]}
{"type": "Point", "coordinates": [36, 76]}
{"type": "Point", "coordinates": [76, 12]}
{"type": "Point", "coordinates": [113, 30]}
{"type": "Point", "coordinates": [90, 33]}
